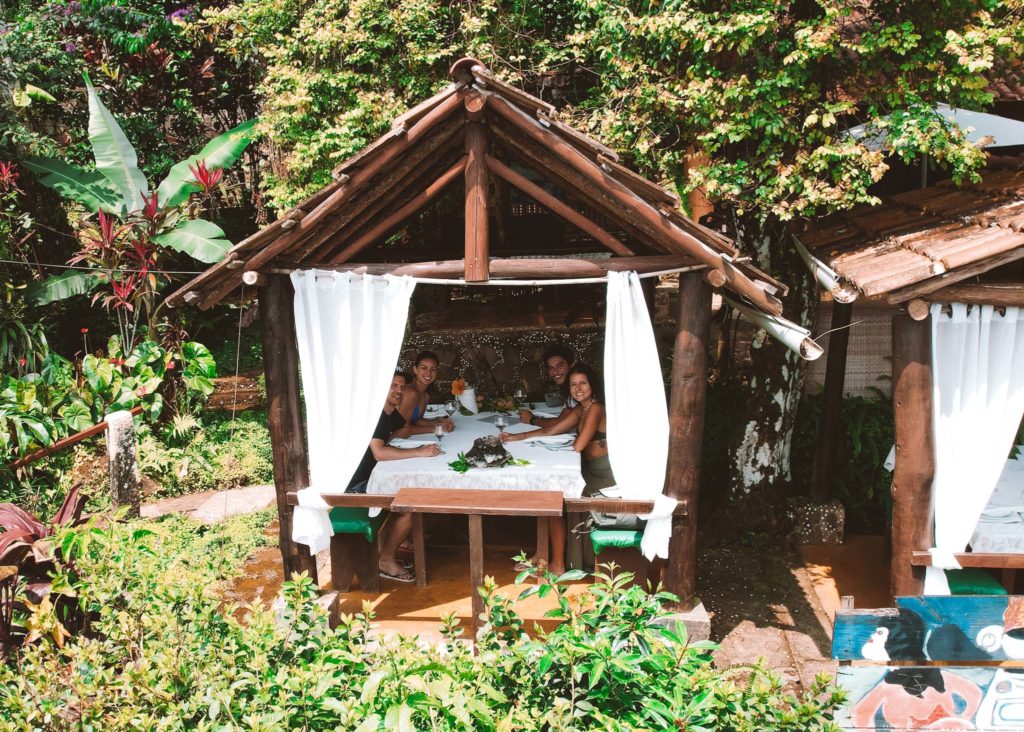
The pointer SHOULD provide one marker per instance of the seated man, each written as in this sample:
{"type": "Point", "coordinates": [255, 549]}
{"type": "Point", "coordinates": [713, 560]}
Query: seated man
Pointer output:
{"type": "Point", "coordinates": [399, 525]}
{"type": "Point", "coordinates": [558, 359]}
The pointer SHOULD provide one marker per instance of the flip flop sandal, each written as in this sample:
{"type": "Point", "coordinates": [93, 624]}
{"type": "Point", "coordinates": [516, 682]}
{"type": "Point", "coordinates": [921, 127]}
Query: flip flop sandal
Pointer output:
{"type": "Point", "coordinates": [405, 576]}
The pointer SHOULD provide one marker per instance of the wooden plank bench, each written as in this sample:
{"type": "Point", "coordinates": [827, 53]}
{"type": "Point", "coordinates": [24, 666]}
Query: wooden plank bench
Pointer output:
{"type": "Point", "coordinates": [936, 663]}
{"type": "Point", "coordinates": [354, 550]}
{"type": "Point", "coordinates": [618, 546]}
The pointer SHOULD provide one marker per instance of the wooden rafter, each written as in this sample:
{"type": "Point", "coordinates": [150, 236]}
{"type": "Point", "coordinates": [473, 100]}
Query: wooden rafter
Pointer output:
{"type": "Point", "coordinates": [394, 220]}
{"type": "Point", "coordinates": [392, 189]}
{"type": "Point", "coordinates": [556, 206]}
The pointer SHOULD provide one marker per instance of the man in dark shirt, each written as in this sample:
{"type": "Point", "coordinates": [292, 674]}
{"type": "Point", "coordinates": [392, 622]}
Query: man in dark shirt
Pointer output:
{"type": "Point", "coordinates": [399, 525]}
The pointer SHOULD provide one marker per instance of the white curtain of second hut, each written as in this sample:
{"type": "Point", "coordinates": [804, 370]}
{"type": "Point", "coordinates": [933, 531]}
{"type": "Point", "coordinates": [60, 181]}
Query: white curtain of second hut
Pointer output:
{"type": "Point", "coordinates": [978, 401]}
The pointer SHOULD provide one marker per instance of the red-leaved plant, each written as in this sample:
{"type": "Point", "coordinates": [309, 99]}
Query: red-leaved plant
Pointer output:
{"type": "Point", "coordinates": [26, 550]}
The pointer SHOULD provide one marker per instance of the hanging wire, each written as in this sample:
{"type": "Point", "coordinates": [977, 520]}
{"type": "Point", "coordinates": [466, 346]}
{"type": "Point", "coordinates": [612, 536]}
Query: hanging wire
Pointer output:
{"type": "Point", "coordinates": [100, 269]}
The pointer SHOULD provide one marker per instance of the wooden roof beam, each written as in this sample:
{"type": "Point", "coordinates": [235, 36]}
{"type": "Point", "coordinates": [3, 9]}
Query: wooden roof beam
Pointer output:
{"type": "Point", "coordinates": [406, 178]}
{"type": "Point", "coordinates": [539, 268]}
{"type": "Point", "coordinates": [558, 155]}
{"type": "Point", "coordinates": [393, 221]}
{"type": "Point", "coordinates": [558, 207]}
{"type": "Point", "coordinates": [359, 179]}
{"type": "Point", "coordinates": [477, 241]}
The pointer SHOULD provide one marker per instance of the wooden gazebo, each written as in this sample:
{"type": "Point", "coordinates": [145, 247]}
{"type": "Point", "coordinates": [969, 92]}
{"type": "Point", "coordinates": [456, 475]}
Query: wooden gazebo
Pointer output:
{"type": "Point", "coordinates": [500, 142]}
{"type": "Point", "coordinates": [941, 244]}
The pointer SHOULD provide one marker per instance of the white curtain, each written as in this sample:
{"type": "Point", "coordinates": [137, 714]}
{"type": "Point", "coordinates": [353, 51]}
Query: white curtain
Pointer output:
{"type": "Point", "coordinates": [978, 400]}
{"type": "Point", "coordinates": [637, 411]}
{"type": "Point", "coordinates": [349, 330]}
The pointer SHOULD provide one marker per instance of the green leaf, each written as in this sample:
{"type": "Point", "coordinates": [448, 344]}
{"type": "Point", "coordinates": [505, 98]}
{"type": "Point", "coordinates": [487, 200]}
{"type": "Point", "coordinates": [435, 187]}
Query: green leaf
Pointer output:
{"type": "Point", "coordinates": [37, 94]}
{"type": "Point", "coordinates": [20, 99]}
{"type": "Point", "coordinates": [197, 238]}
{"type": "Point", "coordinates": [115, 156]}
{"type": "Point", "coordinates": [89, 188]}
{"type": "Point", "coordinates": [62, 286]}
{"type": "Point", "coordinates": [198, 359]}
{"type": "Point", "coordinates": [220, 152]}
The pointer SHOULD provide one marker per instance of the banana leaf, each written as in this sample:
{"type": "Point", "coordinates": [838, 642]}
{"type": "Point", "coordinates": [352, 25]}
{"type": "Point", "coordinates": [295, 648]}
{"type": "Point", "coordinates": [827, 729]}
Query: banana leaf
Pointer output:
{"type": "Point", "coordinates": [197, 238]}
{"type": "Point", "coordinates": [220, 152]}
{"type": "Point", "coordinates": [115, 156]}
{"type": "Point", "coordinates": [62, 286]}
{"type": "Point", "coordinates": [89, 188]}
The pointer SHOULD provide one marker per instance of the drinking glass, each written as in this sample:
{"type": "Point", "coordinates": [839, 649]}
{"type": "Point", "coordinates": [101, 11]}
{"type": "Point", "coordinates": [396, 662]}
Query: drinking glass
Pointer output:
{"type": "Point", "coordinates": [520, 397]}
{"type": "Point", "coordinates": [500, 422]}
{"type": "Point", "coordinates": [439, 432]}
{"type": "Point", "coordinates": [450, 407]}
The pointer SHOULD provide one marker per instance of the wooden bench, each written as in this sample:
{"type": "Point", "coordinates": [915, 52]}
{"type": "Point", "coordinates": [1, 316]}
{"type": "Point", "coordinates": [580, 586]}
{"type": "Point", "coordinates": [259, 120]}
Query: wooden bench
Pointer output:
{"type": "Point", "coordinates": [936, 663]}
{"type": "Point", "coordinates": [354, 550]}
{"type": "Point", "coordinates": [621, 546]}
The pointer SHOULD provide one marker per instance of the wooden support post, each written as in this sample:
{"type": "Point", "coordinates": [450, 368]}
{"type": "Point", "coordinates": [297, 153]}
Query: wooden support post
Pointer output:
{"type": "Point", "coordinates": [476, 568]}
{"type": "Point", "coordinates": [686, 431]}
{"type": "Point", "coordinates": [284, 413]}
{"type": "Point", "coordinates": [477, 251]}
{"type": "Point", "coordinates": [827, 448]}
{"type": "Point", "coordinates": [123, 470]}
{"type": "Point", "coordinates": [915, 458]}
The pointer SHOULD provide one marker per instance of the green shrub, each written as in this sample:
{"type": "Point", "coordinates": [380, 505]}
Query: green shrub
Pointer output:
{"type": "Point", "coordinates": [164, 652]}
{"type": "Point", "coordinates": [213, 454]}
{"type": "Point", "coordinates": [859, 480]}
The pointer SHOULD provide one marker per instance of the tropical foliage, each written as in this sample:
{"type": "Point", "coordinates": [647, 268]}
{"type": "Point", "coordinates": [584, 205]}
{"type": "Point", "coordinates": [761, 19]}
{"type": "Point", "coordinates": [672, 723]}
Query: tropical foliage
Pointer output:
{"type": "Point", "coordinates": [163, 646]}
{"type": "Point", "coordinates": [134, 225]}
{"type": "Point", "coordinates": [38, 408]}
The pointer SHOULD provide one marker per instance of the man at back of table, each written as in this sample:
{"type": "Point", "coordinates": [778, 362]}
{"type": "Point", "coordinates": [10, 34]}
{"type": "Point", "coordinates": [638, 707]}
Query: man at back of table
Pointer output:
{"type": "Point", "coordinates": [558, 359]}
{"type": "Point", "coordinates": [399, 526]}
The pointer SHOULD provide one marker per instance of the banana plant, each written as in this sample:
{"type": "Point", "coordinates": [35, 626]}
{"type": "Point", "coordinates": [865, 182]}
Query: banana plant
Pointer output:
{"type": "Point", "coordinates": [134, 221]}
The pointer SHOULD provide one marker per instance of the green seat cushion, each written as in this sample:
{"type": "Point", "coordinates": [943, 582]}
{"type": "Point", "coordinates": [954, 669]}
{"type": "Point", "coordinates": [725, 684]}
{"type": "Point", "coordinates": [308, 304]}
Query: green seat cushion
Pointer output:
{"type": "Point", "coordinates": [356, 521]}
{"type": "Point", "coordinates": [602, 539]}
{"type": "Point", "coordinates": [973, 581]}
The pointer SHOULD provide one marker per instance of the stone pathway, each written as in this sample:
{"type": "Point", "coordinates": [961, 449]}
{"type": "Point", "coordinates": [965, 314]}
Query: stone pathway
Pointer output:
{"type": "Point", "coordinates": [214, 506]}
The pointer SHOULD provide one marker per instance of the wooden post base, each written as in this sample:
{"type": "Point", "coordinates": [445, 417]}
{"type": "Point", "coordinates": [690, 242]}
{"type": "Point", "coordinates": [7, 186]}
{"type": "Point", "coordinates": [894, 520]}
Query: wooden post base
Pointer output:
{"type": "Point", "coordinates": [352, 554]}
{"type": "Point", "coordinates": [628, 560]}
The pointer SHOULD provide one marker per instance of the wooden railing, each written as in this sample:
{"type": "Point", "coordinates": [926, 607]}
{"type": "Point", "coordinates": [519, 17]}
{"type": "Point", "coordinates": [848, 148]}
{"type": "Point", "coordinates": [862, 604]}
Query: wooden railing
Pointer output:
{"type": "Point", "coordinates": [65, 443]}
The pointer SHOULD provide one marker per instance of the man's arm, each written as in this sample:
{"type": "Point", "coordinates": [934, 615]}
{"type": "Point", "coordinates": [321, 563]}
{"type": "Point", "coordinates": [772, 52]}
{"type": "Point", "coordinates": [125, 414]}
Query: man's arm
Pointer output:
{"type": "Point", "coordinates": [382, 452]}
{"type": "Point", "coordinates": [528, 417]}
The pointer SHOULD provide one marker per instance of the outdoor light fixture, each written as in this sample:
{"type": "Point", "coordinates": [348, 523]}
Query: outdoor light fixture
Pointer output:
{"type": "Point", "coordinates": [791, 335]}
{"type": "Point", "coordinates": [841, 290]}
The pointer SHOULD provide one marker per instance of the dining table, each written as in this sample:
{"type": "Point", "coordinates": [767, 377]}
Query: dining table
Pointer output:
{"type": "Point", "coordinates": [546, 472]}
{"type": "Point", "coordinates": [549, 467]}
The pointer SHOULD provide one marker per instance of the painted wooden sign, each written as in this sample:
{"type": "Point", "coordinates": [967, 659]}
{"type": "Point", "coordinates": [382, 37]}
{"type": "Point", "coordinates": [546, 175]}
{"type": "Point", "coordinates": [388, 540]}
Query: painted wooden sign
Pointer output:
{"type": "Point", "coordinates": [914, 681]}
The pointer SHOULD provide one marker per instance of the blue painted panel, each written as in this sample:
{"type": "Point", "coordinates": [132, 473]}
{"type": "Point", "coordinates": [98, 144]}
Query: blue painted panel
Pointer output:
{"type": "Point", "coordinates": [954, 629]}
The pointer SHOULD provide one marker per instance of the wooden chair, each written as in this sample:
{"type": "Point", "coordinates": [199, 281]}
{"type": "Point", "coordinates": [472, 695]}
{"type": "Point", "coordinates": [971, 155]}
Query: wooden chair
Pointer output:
{"type": "Point", "coordinates": [949, 662]}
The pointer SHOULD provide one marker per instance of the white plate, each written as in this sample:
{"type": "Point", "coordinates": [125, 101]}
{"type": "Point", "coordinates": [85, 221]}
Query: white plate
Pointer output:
{"type": "Point", "coordinates": [555, 440]}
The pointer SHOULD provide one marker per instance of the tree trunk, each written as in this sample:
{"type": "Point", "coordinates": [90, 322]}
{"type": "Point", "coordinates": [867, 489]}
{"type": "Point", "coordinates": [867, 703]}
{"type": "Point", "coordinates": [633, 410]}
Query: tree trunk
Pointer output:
{"type": "Point", "coordinates": [758, 463]}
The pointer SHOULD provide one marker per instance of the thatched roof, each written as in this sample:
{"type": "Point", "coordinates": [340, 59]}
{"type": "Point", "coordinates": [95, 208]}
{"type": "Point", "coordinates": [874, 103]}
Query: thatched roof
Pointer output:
{"type": "Point", "coordinates": [490, 137]}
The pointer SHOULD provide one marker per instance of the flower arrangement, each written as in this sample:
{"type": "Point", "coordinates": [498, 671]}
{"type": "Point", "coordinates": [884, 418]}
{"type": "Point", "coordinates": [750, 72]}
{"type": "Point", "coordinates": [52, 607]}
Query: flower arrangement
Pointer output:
{"type": "Point", "coordinates": [459, 386]}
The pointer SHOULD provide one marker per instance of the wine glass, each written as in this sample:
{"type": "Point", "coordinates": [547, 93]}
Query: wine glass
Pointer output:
{"type": "Point", "coordinates": [501, 422]}
{"type": "Point", "coordinates": [450, 407]}
{"type": "Point", "coordinates": [439, 433]}
{"type": "Point", "coordinates": [520, 397]}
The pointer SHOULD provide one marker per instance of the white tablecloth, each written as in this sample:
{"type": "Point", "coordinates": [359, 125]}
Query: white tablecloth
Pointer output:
{"type": "Point", "coordinates": [1001, 527]}
{"type": "Point", "coordinates": [549, 470]}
